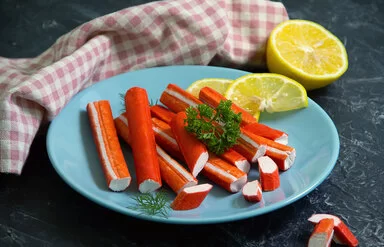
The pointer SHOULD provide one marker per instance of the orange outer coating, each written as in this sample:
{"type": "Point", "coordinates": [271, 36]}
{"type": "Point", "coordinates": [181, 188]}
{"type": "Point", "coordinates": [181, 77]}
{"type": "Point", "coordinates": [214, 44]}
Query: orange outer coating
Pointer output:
{"type": "Point", "coordinates": [187, 201]}
{"type": "Point", "coordinates": [254, 197]}
{"type": "Point", "coordinates": [110, 139]}
{"type": "Point", "coordinates": [269, 181]}
{"type": "Point", "coordinates": [142, 137]}
{"type": "Point", "coordinates": [232, 157]}
{"type": "Point", "coordinates": [175, 104]}
{"type": "Point", "coordinates": [122, 128]}
{"type": "Point", "coordinates": [162, 113]}
{"type": "Point", "coordinates": [213, 98]}
{"type": "Point", "coordinates": [324, 231]}
{"type": "Point", "coordinates": [190, 147]}
{"type": "Point", "coordinates": [264, 131]}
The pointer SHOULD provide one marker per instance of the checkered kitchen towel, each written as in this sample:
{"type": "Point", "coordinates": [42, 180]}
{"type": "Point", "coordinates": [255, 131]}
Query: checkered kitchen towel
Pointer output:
{"type": "Point", "coordinates": [159, 33]}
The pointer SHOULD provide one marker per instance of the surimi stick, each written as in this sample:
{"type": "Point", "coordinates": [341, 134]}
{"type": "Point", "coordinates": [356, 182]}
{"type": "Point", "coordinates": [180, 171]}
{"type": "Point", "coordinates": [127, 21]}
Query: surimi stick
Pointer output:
{"type": "Point", "coordinates": [252, 191]}
{"type": "Point", "coordinates": [236, 159]}
{"type": "Point", "coordinates": [224, 174]}
{"type": "Point", "coordinates": [322, 234]}
{"type": "Point", "coordinates": [250, 149]}
{"type": "Point", "coordinates": [162, 113]}
{"type": "Point", "coordinates": [212, 98]}
{"type": "Point", "coordinates": [283, 155]}
{"type": "Point", "coordinates": [121, 124]}
{"type": "Point", "coordinates": [173, 174]}
{"type": "Point", "coordinates": [177, 99]}
{"type": "Point", "coordinates": [194, 152]}
{"type": "Point", "coordinates": [142, 140]}
{"type": "Point", "coordinates": [342, 233]}
{"type": "Point", "coordinates": [268, 132]}
{"type": "Point", "coordinates": [107, 144]}
{"type": "Point", "coordinates": [191, 197]}
{"type": "Point", "coordinates": [269, 174]}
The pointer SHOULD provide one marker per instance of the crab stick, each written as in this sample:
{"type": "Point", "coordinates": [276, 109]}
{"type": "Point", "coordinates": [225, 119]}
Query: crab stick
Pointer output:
{"type": "Point", "coordinates": [342, 233]}
{"type": "Point", "coordinates": [107, 144]}
{"type": "Point", "coordinates": [142, 140]}
{"type": "Point", "coordinates": [283, 155]}
{"type": "Point", "coordinates": [194, 152]}
{"type": "Point", "coordinates": [267, 132]}
{"type": "Point", "coordinates": [322, 234]}
{"type": "Point", "coordinates": [191, 197]}
{"type": "Point", "coordinates": [121, 124]}
{"type": "Point", "coordinates": [269, 174]}
{"type": "Point", "coordinates": [224, 174]}
{"type": "Point", "coordinates": [174, 174]}
{"type": "Point", "coordinates": [162, 113]}
{"type": "Point", "coordinates": [236, 159]}
{"type": "Point", "coordinates": [212, 98]}
{"type": "Point", "coordinates": [177, 99]}
{"type": "Point", "coordinates": [248, 148]}
{"type": "Point", "coordinates": [252, 191]}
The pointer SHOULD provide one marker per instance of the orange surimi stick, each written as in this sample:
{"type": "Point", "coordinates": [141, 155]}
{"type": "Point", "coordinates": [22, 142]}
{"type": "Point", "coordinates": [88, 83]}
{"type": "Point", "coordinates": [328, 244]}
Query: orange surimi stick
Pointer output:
{"type": "Point", "coordinates": [224, 174]}
{"type": "Point", "coordinates": [173, 174]}
{"type": "Point", "coordinates": [162, 113]}
{"type": "Point", "coordinates": [322, 234]}
{"type": "Point", "coordinates": [212, 98]}
{"type": "Point", "coordinates": [269, 174]}
{"type": "Point", "coordinates": [142, 140]}
{"type": "Point", "coordinates": [194, 152]}
{"type": "Point", "coordinates": [107, 144]}
{"type": "Point", "coordinates": [250, 149]}
{"type": "Point", "coordinates": [283, 155]}
{"type": "Point", "coordinates": [121, 124]}
{"type": "Point", "coordinates": [236, 159]}
{"type": "Point", "coordinates": [252, 191]}
{"type": "Point", "coordinates": [268, 132]}
{"type": "Point", "coordinates": [342, 233]}
{"type": "Point", "coordinates": [177, 99]}
{"type": "Point", "coordinates": [191, 197]}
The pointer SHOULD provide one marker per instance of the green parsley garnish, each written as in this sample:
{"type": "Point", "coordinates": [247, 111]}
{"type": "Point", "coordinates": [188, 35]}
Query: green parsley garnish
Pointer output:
{"type": "Point", "coordinates": [155, 203]}
{"type": "Point", "coordinates": [217, 128]}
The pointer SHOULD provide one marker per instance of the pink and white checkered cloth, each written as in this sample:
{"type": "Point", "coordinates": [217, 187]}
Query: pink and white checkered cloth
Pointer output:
{"type": "Point", "coordinates": [172, 32]}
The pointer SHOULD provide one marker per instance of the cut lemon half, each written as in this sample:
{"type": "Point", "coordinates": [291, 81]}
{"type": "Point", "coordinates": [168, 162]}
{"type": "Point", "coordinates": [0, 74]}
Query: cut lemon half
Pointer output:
{"type": "Point", "coordinates": [267, 92]}
{"type": "Point", "coordinates": [218, 84]}
{"type": "Point", "coordinates": [306, 52]}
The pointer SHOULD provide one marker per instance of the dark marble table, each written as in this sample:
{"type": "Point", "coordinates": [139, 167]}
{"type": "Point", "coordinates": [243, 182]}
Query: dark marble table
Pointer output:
{"type": "Point", "coordinates": [39, 209]}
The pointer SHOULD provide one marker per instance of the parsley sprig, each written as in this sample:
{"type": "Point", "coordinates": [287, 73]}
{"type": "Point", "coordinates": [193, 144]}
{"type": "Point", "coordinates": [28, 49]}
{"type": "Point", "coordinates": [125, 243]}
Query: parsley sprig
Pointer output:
{"type": "Point", "coordinates": [217, 128]}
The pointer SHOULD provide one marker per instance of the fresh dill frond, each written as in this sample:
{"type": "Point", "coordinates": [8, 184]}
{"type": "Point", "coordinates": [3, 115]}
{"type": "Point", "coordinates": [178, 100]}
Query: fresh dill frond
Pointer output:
{"type": "Point", "coordinates": [122, 98]}
{"type": "Point", "coordinates": [152, 204]}
{"type": "Point", "coordinates": [152, 103]}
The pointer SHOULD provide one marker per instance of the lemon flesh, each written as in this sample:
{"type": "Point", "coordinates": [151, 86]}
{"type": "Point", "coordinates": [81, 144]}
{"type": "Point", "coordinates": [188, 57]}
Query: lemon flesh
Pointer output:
{"type": "Point", "coordinates": [218, 84]}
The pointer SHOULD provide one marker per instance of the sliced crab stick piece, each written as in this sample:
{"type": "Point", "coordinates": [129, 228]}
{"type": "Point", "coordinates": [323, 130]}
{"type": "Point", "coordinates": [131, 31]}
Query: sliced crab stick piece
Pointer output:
{"type": "Point", "coordinates": [212, 98]}
{"type": "Point", "coordinates": [269, 174]}
{"type": "Point", "coordinates": [322, 234]}
{"type": "Point", "coordinates": [236, 159]}
{"type": "Point", "coordinates": [194, 152]}
{"type": "Point", "coordinates": [250, 149]}
{"type": "Point", "coordinates": [142, 140]}
{"type": "Point", "coordinates": [108, 146]}
{"type": "Point", "coordinates": [343, 234]}
{"type": "Point", "coordinates": [191, 197]}
{"type": "Point", "coordinates": [177, 99]}
{"type": "Point", "coordinates": [283, 155]}
{"type": "Point", "coordinates": [267, 132]}
{"type": "Point", "coordinates": [174, 174]}
{"type": "Point", "coordinates": [252, 191]}
{"type": "Point", "coordinates": [162, 113]}
{"type": "Point", "coordinates": [224, 174]}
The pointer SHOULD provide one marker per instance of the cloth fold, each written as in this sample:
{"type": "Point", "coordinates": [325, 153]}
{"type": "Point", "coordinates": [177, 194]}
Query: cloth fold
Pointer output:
{"type": "Point", "coordinates": [34, 90]}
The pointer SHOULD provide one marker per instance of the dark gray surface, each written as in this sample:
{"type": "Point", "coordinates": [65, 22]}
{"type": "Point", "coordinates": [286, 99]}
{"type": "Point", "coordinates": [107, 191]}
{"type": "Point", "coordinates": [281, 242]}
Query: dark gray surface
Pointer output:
{"type": "Point", "coordinates": [39, 209]}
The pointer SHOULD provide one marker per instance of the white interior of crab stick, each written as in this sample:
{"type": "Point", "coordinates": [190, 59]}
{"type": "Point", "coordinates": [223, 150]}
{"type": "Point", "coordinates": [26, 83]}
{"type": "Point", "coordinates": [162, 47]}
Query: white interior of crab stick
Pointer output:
{"type": "Point", "coordinates": [148, 185]}
{"type": "Point", "coordinates": [282, 139]}
{"type": "Point", "coordinates": [288, 162]}
{"type": "Point", "coordinates": [200, 163]}
{"type": "Point", "coordinates": [180, 97]}
{"type": "Point", "coordinates": [197, 188]}
{"type": "Point", "coordinates": [267, 165]}
{"type": "Point", "coordinates": [243, 165]}
{"type": "Point", "coordinates": [316, 218]}
{"type": "Point", "coordinates": [237, 183]}
{"type": "Point", "coordinates": [252, 188]}
{"type": "Point", "coordinates": [320, 240]}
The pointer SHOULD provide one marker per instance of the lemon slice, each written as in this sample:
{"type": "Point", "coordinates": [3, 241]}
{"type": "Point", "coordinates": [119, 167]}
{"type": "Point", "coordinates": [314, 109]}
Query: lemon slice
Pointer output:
{"type": "Point", "coordinates": [306, 52]}
{"type": "Point", "coordinates": [267, 92]}
{"type": "Point", "coordinates": [218, 84]}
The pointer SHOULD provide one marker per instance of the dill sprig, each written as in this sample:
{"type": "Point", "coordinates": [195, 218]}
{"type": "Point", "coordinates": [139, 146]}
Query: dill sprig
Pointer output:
{"type": "Point", "coordinates": [217, 128]}
{"type": "Point", "coordinates": [122, 98]}
{"type": "Point", "coordinates": [152, 204]}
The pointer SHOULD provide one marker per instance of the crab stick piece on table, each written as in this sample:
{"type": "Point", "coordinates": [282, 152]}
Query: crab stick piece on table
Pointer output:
{"type": "Point", "coordinates": [268, 132]}
{"type": "Point", "coordinates": [322, 234]}
{"type": "Point", "coordinates": [194, 152]}
{"type": "Point", "coordinates": [224, 174]}
{"type": "Point", "coordinates": [142, 140]}
{"type": "Point", "coordinates": [342, 234]}
{"type": "Point", "coordinates": [162, 113]}
{"type": "Point", "coordinates": [269, 174]}
{"type": "Point", "coordinates": [191, 197]}
{"type": "Point", "coordinates": [177, 99]}
{"type": "Point", "coordinates": [107, 144]}
{"type": "Point", "coordinates": [252, 191]}
{"type": "Point", "coordinates": [212, 98]}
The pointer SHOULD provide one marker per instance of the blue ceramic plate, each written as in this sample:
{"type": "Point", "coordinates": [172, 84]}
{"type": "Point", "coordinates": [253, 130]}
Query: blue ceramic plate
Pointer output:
{"type": "Point", "coordinates": [73, 153]}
